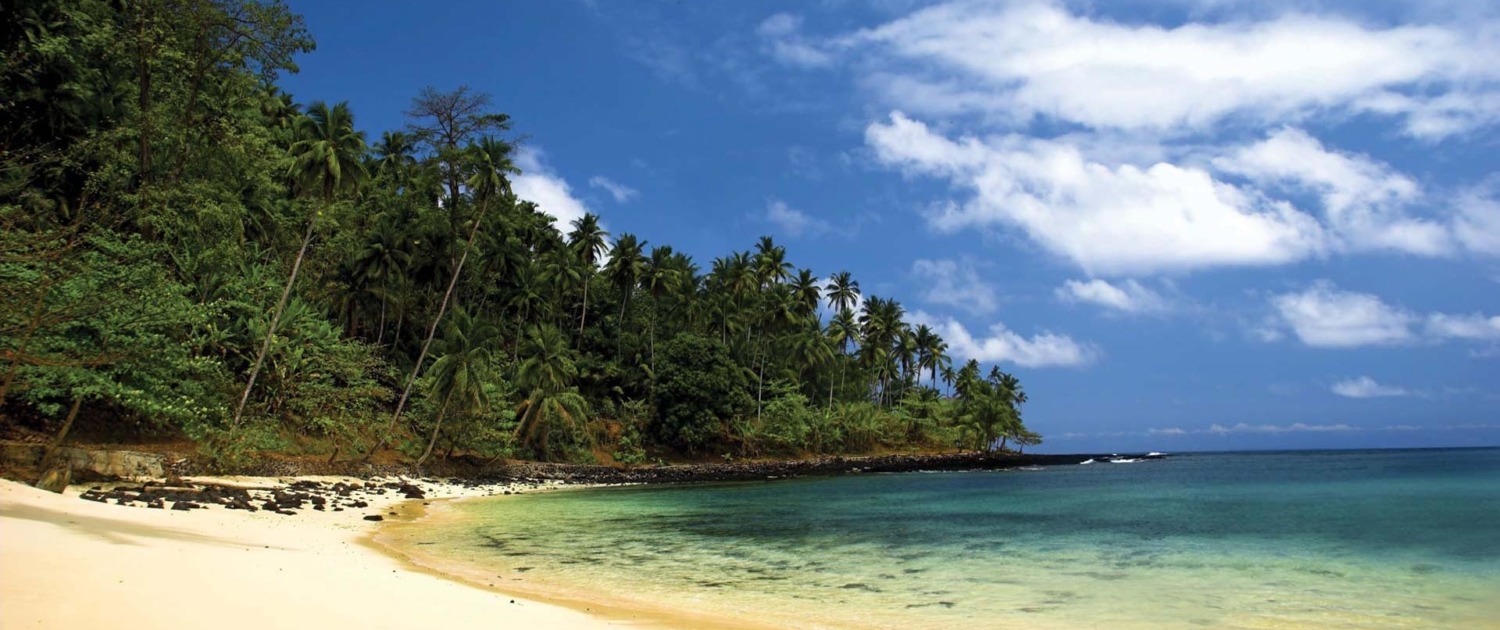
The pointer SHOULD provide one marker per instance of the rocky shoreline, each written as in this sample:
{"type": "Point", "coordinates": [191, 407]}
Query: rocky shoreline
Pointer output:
{"type": "Point", "coordinates": [359, 492]}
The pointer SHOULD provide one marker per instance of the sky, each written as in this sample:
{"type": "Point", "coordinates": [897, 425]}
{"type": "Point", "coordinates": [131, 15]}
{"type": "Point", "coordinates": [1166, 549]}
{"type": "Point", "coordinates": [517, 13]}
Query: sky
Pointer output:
{"type": "Point", "coordinates": [1185, 225]}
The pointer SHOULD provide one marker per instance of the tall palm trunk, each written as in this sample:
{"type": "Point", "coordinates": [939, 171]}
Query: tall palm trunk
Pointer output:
{"type": "Point", "coordinates": [436, 429]}
{"type": "Point", "coordinates": [427, 343]}
{"type": "Point", "coordinates": [286, 293]}
{"type": "Point", "coordinates": [583, 313]}
{"type": "Point", "coordinates": [620, 326]}
{"type": "Point", "coordinates": [380, 336]}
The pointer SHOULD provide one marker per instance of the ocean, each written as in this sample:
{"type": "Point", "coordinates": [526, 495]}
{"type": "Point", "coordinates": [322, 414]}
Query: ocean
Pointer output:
{"type": "Point", "coordinates": [1301, 539]}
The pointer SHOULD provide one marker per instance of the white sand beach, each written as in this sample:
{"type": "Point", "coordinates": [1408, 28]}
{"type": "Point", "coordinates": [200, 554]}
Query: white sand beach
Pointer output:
{"type": "Point", "coordinates": [69, 563]}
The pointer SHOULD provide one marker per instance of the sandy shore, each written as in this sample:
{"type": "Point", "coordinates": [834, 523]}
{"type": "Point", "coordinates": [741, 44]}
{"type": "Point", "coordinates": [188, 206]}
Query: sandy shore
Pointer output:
{"type": "Point", "coordinates": [69, 563]}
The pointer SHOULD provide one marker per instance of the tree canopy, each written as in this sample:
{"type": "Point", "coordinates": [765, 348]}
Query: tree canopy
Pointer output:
{"type": "Point", "coordinates": [187, 249]}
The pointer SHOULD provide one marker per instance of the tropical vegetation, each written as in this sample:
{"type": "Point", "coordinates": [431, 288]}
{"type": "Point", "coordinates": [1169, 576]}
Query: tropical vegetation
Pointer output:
{"type": "Point", "coordinates": [187, 250]}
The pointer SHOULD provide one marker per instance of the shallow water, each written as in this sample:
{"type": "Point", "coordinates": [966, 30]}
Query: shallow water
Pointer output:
{"type": "Point", "coordinates": [1341, 539]}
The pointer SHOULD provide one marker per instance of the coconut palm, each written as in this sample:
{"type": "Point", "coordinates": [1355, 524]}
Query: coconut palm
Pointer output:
{"type": "Point", "coordinates": [807, 295]}
{"type": "Point", "coordinates": [932, 352]}
{"type": "Point", "coordinates": [383, 261]}
{"type": "Point", "coordinates": [625, 267]}
{"type": "Point", "coordinates": [327, 162]}
{"type": "Point", "coordinates": [842, 291]}
{"type": "Point", "coordinates": [770, 262]}
{"type": "Point", "coordinates": [395, 157]}
{"type": "Point", "coordinates": [587, 241]}
{"type": "Point", "coordinates": [547, 372]}
{"type": "Point", "coordinates": [661, 278]}
{"type": "Point", "coordinates": [491, 164]}
{"type": "Point", "coordinates": [460, 374]}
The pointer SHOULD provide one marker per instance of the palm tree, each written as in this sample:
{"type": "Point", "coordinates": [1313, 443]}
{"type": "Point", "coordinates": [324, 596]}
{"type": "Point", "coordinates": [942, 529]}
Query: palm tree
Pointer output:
{"type": "Point", "coordinates": [842, 291]}
{"type": "Point", "coordinates": [492, 162]}
{"type": "Point", "coordinates": [625, 267]}
{"type": "Point", "coordinates": [661, 279]}
{"type": "Point", "coordinates": [547, 372]}
{"type": "Point", "coordinates": [560, 271]}
{"type": "Point", "coordinates": [808, 295]}
{"type": "Point", "coordinates": [327, 161]}
{"type": "Point", "coordinates": [587, 240]}
{"type": "Point", "coordinates": [771, 265]}
{"type": "Point", "coordinates": [383, 259]}
{"type": "Point", "coordinates": [932, 352]}
{"type": "Point", "coordinates": [460, 375]}
{"type": "Point", "coordinates": [842, 329]}
{"type": "Point", "coordinates": [395, 156]}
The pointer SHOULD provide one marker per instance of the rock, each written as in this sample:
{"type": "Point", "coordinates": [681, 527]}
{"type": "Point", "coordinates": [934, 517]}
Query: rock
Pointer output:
{"type": "Point", "coordinates": [56, 479]}
{"type": "Point", "coordinates": [374, 517]}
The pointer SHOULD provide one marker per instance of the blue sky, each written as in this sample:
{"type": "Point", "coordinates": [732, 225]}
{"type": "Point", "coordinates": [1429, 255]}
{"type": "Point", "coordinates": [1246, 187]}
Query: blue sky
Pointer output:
{"type": "Point", "coordinates": [1185, 225]}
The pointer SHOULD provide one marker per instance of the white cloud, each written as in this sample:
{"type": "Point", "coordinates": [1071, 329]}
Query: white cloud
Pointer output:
{"type": "Point", "coordinates": [1019, 60]}
{"type": "Point", "coordinates": [1366, 387]}
{"type": "Point", "coordinates": [620, 192]}
{"type": "Point", "coordinates": [1128, 297]}
{"type": "Point", "coordinates": [539, 184]}
{"type": "Point", "coordinates": [1477, 225]}
{"type": "Point", "coordinates": [793, 222]}
{"type": "Point", "coordinates": [1172, 431]}
{"type": "Point", "coordinates": [1107, 219]}
{"type": "Point", "coordinates": [955, 284]}
{"type": "Point", "coordinates": [1297, 427]}
{"type": "Point", "coordinates": [1363, 200]}
{"type": "Point", "coordinates": [1324, 316]}
{"type": "Point", "coordinates": [1045, 349]}
{"type": "Point", "coordinates": [782, 36]}
{"type": "Point", "coordinates": [1473, 326]}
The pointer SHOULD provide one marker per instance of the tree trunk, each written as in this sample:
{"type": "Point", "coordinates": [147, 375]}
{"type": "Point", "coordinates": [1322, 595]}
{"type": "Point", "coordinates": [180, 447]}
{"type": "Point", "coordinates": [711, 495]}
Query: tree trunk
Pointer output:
{"type": "Point", "coordinates": [583, 313]}
{"type": "Point", "coordinates": [265, 347]}
{"type": "Point", "coordinates": [427, 344]}
{"type": "Point", "coordinates": [442, 411]}
{"type": "Point", "coordinates": [57, 475]}
{"type": "Point", "coordinates": [620, 327]}
{"type": "Point", "coordinates": [380, 336]}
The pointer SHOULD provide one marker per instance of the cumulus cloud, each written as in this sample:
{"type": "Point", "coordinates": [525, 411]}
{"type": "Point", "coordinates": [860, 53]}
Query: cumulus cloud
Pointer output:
{"type": "Point", "coordinates": [955, 284]}
{"type": "Point", "coordinates": [1325, 316]}
{"type": "Point", "coordinates": [1477, 225]}
{"type": "Point", "coordinates": [1021, 60]}
{"type": "Point", "coordinates": [539, 184]}
{"type": "Point", "coordinates": [1002, 345]}
{"type": "Point", "coordinates": [795, 223]}
{"type": "Point", "coordinates": [1126, 297]}
{"type": "Point", "coordinates": [1110, 219]}
{"type": "Point", "coordinates": [1197, 198]}
{"type": "Point", "coordinates": [1473, 326]}
{"type": "Point", "coordinates": [1363, 200]}
{"type": "Point", "coordinates": [620, 192]}
{"type": "Point", "coordinates": [1366, 387]}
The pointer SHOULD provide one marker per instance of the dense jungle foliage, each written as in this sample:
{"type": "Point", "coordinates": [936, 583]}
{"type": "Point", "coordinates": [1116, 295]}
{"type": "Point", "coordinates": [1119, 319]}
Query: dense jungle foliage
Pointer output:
{"type": "Point", "coordinates": [187, 250]}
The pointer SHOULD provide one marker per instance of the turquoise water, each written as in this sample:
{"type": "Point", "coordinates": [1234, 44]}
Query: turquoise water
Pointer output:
{"type": "Point", "coordinates": [1339, 539]}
